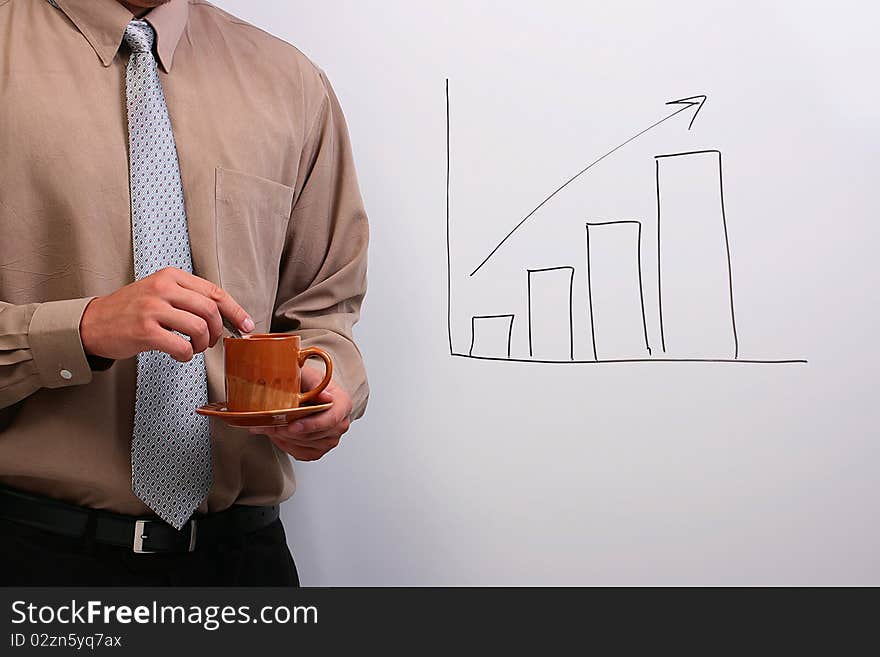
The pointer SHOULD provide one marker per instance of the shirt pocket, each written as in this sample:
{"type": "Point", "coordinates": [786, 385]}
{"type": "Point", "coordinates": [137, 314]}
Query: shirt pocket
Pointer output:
{"type": "Point", "coordinates": [251, 215]}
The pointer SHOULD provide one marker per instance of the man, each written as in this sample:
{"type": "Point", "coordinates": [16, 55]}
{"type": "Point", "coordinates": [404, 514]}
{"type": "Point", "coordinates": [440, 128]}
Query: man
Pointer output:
{"type": "Point", "coordinates": [163, 165]}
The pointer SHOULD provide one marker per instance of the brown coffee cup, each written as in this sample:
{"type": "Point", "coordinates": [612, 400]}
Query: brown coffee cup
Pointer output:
{"type": "Point", "coordinates": [264, 371]}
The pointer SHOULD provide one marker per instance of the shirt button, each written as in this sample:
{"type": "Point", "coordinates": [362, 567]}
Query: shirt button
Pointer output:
{"type": "Point", "coordinates": [67, 375]}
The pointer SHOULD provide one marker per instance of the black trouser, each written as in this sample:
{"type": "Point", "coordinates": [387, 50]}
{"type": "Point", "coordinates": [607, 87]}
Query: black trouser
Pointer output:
{"type": "Point", "coordinates": [32, 557]}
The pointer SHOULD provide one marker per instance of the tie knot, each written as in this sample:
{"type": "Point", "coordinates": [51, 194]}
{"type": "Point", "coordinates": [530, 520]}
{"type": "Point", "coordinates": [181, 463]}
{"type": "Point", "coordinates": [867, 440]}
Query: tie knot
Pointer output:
{"type": "Point", "coordinates": [139, 36]}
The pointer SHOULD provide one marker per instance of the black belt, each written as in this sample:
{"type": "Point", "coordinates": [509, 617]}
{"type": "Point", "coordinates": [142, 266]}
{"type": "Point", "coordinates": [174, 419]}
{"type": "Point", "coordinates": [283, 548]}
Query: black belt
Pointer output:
{"type": "Point", "coordinates": [141, 535]}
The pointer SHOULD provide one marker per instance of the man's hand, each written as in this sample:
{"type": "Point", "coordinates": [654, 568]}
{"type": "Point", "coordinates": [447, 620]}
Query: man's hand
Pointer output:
{"type": "Point", "coordinates": [313, 436]}
{"type": "Point", "coordinates": [141, 317]}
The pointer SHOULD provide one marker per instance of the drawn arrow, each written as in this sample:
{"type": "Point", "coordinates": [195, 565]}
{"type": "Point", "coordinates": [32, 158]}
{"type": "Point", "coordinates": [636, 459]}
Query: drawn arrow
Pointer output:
{"type": "Point", "coordinates": [691, 101]}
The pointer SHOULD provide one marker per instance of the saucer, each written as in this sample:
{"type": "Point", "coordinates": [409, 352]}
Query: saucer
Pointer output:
{"type": "Point", "coordinates": [260, 418]}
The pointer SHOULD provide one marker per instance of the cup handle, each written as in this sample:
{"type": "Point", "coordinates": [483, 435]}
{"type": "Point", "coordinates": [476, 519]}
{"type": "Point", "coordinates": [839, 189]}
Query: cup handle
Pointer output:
{"type": "Point", "coordinates": [316, 352]}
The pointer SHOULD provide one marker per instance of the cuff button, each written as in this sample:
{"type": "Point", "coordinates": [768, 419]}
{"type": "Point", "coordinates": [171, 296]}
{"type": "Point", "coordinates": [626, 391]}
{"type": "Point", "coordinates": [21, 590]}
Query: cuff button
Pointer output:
{"type": "Point", "coordinates": [67, 375]}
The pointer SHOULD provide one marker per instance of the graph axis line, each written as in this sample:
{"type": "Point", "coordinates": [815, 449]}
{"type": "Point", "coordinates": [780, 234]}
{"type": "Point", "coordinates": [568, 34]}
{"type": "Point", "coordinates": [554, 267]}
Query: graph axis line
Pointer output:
{"type": "Point", "coordinates": [448, 239]}
{"type": "Point", "coordinates": [731, 361]}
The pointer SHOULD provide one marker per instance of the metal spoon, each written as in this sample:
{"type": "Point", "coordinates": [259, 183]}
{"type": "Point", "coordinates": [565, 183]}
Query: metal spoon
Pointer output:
{"type": "Point", "coordinates": [229, 326]}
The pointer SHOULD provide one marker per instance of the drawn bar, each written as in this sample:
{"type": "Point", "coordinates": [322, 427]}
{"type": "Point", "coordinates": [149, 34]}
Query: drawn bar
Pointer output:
{"type": "Point", "coordinates": [614, 290]}
{"type": "Point", "coordinates": [697, 317]}
{"type": "Point", "coordinates": [551, 316]}
{"type": "Point", "coordinates": [491, 336]}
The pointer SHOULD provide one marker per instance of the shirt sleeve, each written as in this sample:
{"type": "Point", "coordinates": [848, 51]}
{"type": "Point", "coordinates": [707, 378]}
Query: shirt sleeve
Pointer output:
{"type": "Point", "coordinates": [323, 277]}
{"type": "Point", "coordinates": [40, 347]}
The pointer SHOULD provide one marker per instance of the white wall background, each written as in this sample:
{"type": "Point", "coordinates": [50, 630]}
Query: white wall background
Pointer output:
{"type": "Point", "coordinates": [467, 472]}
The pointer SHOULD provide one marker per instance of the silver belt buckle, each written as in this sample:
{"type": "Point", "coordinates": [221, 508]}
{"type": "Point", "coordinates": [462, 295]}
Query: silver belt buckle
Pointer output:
{"type": "Point", "coordinates": [140, 533]}
{"type": "Point", "coordinates": [140, 528]}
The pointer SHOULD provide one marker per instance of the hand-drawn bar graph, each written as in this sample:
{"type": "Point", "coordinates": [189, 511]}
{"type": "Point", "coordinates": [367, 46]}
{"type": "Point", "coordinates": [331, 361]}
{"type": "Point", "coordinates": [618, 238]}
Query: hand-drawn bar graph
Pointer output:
{"type": "Point", "coordinates": [614, 290]}
{"type": "Point", "coordinates": [693, 276]}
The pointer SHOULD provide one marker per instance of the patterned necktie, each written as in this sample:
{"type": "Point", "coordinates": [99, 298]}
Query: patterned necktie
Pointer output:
{"type": "Point", "coordinates": [171, 444]}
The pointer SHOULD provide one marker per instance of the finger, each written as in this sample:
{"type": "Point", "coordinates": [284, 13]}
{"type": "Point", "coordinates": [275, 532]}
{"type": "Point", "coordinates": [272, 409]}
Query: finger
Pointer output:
{"type": "Point", "coordinates": [289, 433]}
{"type": "Point", "coordinates": [323, 421]}
{"type": "Point", "coordinates": [227, 306]}
{"type": "Point", "coordinates": [200, 305]}
{"type": "Point", "coordinates": [188, 324]}
{"type": "Point", "coordinates": [321, 447]}
{"type": "Point", "coordinates": [311, 439]}
{"type": "Point", "coordinates": [301, 453]}
{"type": "Point", "coordinates": [180, 349]}
{"type": "Point", "coordinates": [314, 436]}
{"type": "Point", "coordinates": [339, 415]}
{"type": "Point", "coordinates": [328, 439]}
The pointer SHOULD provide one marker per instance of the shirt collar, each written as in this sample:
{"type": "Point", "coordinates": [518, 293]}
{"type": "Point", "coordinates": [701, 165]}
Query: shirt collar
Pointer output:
{"type": "Point", "coordinates": [103, 22]}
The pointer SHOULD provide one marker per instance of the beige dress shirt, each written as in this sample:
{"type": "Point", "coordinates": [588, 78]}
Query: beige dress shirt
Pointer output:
{"type": "Point", "coordinates": [275, 217]}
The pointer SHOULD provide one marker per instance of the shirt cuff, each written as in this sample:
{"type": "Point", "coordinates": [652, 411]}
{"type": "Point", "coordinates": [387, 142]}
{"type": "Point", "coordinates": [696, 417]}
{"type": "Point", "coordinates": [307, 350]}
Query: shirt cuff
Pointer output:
{"type": "Point", "coordinates": [56, 345]}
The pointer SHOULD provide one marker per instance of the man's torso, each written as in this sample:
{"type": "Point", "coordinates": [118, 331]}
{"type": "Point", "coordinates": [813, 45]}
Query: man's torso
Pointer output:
{"type": "Point", "coordinates": [240, 103]}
